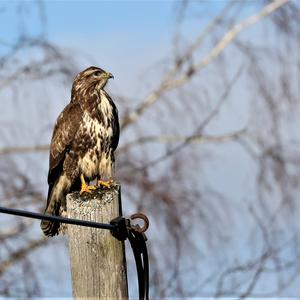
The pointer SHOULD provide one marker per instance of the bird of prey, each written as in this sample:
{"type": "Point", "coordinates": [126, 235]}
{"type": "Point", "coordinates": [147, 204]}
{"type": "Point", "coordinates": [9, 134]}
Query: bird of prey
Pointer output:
{"type": "Point", "coordinates": [85, 136]}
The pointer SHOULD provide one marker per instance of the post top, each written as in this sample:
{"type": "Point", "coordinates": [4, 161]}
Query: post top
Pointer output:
{"type": "Point", "coordinates": [99, 196]}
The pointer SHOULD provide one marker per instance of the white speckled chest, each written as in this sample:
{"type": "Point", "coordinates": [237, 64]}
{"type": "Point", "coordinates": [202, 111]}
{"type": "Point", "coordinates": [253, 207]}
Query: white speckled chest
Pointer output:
{"type": "Point", "coordinates": [98, 160]}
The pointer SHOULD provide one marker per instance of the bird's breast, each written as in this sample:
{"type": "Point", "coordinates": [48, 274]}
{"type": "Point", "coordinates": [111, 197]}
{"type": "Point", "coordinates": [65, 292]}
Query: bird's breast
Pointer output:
{"type": "Point", "coordinates": [97, 137]}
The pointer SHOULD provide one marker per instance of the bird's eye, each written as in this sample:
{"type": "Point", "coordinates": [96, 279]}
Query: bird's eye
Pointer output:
{"type": "Point", "coordinates": [97, 73]}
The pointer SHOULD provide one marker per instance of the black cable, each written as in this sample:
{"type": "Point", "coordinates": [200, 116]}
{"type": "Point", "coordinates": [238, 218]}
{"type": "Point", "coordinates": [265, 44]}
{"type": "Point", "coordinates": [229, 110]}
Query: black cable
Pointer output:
{"type": "Point", "coordinates": [139, 265]}
{"type": "Point", "coordinates": [146, 266]}
{"type": "Point", "coordinates": [120, 228]}
{"type": "Point", "coordinates": [33, 215]}
{"type": "Point", "coordinates": [138, 244]}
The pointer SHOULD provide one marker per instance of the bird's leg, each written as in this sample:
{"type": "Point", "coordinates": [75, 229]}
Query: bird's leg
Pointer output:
{"type": "Point", "coordinates": [85, 187]}
{"type": "Point", "coordinates": [105, 184]}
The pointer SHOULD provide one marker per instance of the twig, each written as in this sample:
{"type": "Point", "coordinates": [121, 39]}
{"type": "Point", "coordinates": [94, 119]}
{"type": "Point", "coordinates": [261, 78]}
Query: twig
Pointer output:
{"type": "Point", "coordinates": [20, 254]}
{"type": "Point", "coordinates": [175, 139]}
{"type": "Point", "coordinates": [200, 128]}
{"type": "Point", "coordinates": [170, 82]}
{"type": "Point", "coordinates": [10, 150]}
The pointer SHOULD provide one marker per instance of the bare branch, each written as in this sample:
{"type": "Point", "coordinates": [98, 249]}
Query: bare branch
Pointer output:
{"type": "Point", "coordinates": [193, 139]}
{"type": "Point", "coordinates": [199, 40]}
{"type": "Point", "coordinates": [232, 33]}
{"type": "Point", "coordinates": [200, 128]}
{"type": "Point", "coordinates": [170, 82]}
{"type": "Point", "coordinates": [12, 232]}
{"type": "Point", "coordinates": [10, 150]}
{"type": "Point", "coordinates": [21, 253]}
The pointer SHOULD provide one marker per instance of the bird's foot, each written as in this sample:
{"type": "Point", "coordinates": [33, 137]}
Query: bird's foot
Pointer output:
{"type": "Point", "coordinates": [105, 184]}
{"type": "Point", "coordinates": [85, 187]}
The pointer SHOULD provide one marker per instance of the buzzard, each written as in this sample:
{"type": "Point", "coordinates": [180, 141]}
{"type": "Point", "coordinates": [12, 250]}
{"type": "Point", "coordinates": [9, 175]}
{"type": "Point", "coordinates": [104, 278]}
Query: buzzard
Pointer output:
{"type": "Point", "coordinates": [85, 136]}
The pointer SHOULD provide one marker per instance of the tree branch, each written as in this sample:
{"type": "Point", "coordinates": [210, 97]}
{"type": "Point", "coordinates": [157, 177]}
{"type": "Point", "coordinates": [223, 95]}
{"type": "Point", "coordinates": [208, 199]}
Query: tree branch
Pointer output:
{"type": "Point", "coordinates": [21, 253]}
{"type": "Point", "coordinates": [10, 150]}
{"type": "Point", "coordinates": [193, 139]}
{"type": "Point", "coordinates": [170, 82]}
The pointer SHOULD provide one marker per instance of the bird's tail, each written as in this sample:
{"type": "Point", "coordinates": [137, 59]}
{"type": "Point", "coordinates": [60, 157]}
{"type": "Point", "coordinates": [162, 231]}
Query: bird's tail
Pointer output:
{"type": "Point", "coordinates": [51, 228]}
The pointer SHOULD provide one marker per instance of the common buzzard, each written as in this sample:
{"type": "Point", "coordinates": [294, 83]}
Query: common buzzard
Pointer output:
{"type": "Point", "coordinates": [84, 139]}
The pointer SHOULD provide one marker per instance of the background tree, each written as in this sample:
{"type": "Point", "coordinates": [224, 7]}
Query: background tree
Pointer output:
{"type": "Point", "coordinates": [210, 153]}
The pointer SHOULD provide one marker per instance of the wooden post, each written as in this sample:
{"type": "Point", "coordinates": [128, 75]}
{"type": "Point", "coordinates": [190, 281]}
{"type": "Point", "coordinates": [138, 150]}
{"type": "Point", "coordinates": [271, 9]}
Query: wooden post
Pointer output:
{"type": "Point", "coordinates": [98, 264]}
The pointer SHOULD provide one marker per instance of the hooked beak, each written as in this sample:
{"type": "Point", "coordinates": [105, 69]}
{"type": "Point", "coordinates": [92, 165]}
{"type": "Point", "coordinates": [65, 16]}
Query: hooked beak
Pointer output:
{"type": "Point", "coordinates": [109, 75]}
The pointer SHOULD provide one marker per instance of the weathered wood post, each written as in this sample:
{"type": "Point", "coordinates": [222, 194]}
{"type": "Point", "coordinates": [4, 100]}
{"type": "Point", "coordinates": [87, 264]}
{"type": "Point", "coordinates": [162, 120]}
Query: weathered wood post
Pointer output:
{"type": "Point", "coordinates": [98, 264]}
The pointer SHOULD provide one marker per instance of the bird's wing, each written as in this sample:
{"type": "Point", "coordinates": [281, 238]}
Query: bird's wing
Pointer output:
{"type": "Point", "coordinates": [65, 129]}
{"type": "Point", "coordinates": [116, 128]}
{"type": "Point", "coordinates": [115, 124]}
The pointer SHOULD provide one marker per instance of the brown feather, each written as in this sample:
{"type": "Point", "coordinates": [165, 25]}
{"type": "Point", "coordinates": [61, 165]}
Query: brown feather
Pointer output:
{"type": "Point", "coordinates": [64, 132]}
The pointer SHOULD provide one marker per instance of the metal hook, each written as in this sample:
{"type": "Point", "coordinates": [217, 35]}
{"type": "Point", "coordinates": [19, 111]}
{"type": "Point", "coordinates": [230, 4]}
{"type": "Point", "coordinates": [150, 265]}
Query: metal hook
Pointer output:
{"type": "Point", "coordinates": [137, 227]}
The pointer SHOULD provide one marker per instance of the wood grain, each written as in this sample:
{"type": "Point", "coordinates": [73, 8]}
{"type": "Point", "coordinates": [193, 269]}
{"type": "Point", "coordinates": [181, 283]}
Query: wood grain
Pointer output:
{"type": "Point", "coordinates": [98, 264]}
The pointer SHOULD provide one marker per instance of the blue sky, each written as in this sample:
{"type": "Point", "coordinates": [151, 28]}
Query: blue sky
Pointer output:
{"type": "Point", "coordinates": [127, 38]}
{"type": "Point", "coordinates": [108, 15]}
{"type": "Point", "coordinates": [124, 37]}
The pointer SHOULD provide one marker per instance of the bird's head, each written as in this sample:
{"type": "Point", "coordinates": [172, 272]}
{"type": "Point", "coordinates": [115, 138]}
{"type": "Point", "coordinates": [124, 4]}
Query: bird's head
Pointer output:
{"type": "Point", "coordinates": [92, 77]}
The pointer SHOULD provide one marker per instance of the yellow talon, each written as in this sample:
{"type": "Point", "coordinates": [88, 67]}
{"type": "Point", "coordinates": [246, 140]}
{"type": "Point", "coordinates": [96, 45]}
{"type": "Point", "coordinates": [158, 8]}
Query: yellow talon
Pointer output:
{"type": "Point", "coordinates": [106, 184]}
{"type": "Point", "coordinates": [85, 187]}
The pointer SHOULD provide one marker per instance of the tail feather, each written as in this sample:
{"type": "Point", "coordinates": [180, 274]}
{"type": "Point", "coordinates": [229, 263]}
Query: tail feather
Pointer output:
{"type": "Point", "coordinates": [51, 228]}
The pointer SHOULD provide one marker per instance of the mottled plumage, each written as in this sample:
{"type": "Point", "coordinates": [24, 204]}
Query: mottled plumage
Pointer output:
{"type": "Point", "coordinates": [84, 139]}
